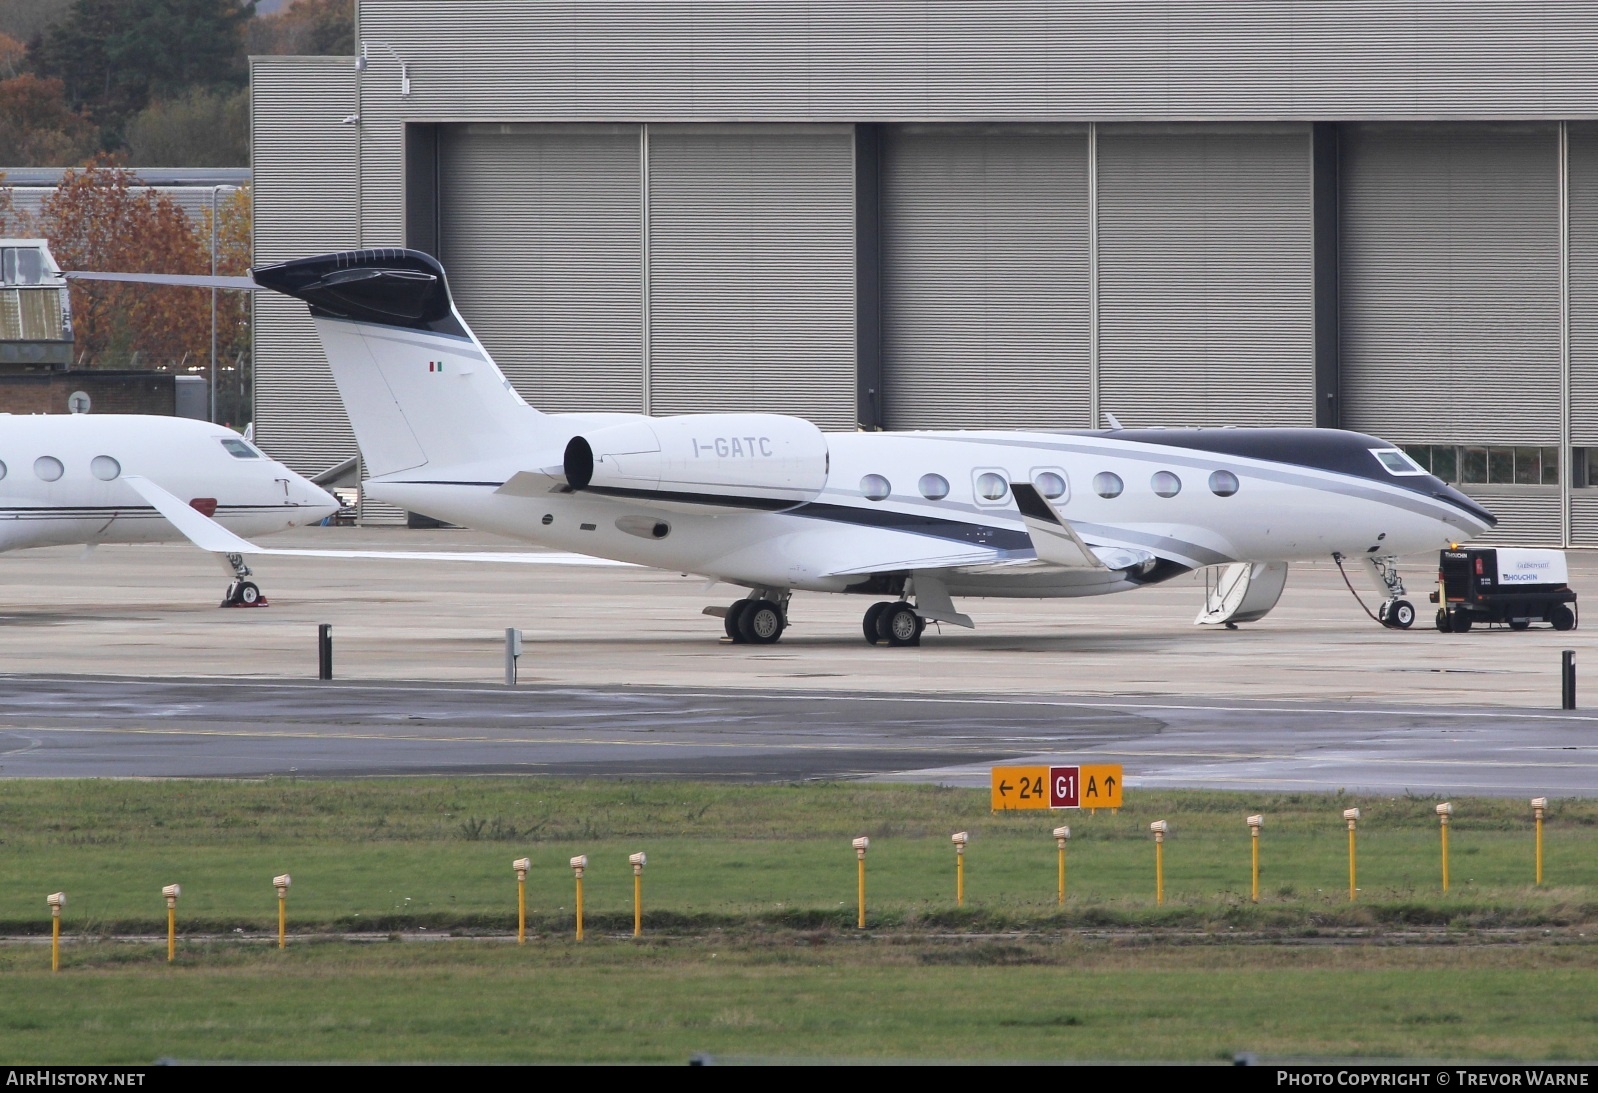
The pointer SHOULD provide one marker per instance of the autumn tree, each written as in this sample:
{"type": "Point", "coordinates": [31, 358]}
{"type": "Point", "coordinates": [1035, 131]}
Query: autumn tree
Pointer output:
{"type": "Point", "coordinates": [99, 219]}
{"type": "Point", "coordinates": [233, 309]}
{"type": "Point", "coordinates": [38, 128]}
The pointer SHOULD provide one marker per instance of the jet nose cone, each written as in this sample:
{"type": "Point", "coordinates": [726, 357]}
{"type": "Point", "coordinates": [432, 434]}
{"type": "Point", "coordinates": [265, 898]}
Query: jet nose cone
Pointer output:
{"type": "Point", "coordinates": [315, 503]}
{"type": "Point", "coordinates": [1467, 504]}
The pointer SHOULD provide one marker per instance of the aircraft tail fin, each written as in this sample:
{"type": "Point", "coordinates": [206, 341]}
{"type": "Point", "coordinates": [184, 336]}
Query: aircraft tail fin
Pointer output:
{"type": "Point", "coordinates": [418, 386]}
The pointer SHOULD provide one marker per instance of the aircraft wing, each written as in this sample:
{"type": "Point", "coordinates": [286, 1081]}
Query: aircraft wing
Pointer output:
{"type": "Point", "coordinates": [1052, 537]}
{"type": "Point", "coordinates": [894, 563]}
{"type": "Point", "coordinates": [207, 534]}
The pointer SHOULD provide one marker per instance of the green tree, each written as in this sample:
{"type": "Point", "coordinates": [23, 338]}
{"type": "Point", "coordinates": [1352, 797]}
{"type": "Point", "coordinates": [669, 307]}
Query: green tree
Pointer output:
{"type": "Point", "coordinates": [197, 129]}
{"type": "Point", "coordinates": [114, 56]}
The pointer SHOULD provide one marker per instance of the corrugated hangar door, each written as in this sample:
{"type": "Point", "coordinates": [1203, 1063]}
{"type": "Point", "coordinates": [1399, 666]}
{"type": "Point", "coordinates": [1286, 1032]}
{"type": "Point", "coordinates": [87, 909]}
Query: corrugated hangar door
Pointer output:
{"type": "Point", "coordinates": [1205, 250]}
{"type": "Point", "coordinates": [985, 276]}
{"type": "Point", "coordinates": [751, 270]}
{"type": "Point", "coordinates": [1449, 256]}
{"type": "Point", "coordinates": [541, 230]}
{"type": "Point", "coordinates": [1450, 283]}
{"type": "Point", "coordinates": [1582, 175]}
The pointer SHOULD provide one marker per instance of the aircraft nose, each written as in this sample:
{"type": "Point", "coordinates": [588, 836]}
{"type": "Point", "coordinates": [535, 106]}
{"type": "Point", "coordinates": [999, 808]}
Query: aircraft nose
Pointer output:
{"type": "Point", "coordinates": [1468, 504]}
{"type": "Point", "coordinates": [318, 503]}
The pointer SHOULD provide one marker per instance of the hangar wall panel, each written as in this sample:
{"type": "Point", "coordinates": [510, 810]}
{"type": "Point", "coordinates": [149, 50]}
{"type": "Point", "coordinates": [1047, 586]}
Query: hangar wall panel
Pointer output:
{"type": "Point", "coordinates": [1450, 283]}
{"type": "Point", "coordinates": [751, 282]}
{"type": "Point", "coordinates": [1584, 518]}
{"type": "Point", "coordinates": [1008, 60]}
{"type": "Point", "coordinates": [1582, 182]}
{"type": "Point", "coordinates": [306, 193]}
{"type": "Point", "coordinates": [1526, 516]}
{"type": "Point", "coordinates": [1205, 287]}
{"type": "Point", "coordinates": [542, 233]}
{"type": "Point", "coordinates": [985, 277]}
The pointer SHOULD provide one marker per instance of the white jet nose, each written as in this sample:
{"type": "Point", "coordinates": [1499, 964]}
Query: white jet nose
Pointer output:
{"type": "Point", "coordinates": [315, 503]}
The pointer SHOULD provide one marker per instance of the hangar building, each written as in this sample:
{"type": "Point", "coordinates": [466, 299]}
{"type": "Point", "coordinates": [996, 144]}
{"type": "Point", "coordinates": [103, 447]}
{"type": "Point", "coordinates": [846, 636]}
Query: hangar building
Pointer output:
{"type": "Point", "coordinates": [1377, 215]}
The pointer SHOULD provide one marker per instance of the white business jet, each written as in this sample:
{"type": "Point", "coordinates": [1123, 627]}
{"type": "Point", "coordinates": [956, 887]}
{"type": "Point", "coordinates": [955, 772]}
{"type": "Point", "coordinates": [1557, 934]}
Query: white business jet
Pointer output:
{"type": "Point", "coordinates": [65, 479]}
{"type": "Point", "coordinates": [772, 504]}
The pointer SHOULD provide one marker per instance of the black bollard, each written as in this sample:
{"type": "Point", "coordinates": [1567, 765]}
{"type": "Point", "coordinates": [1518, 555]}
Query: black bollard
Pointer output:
{"type": "Point", "coordinates": [1567, 680]}
{"type": "Point", "coordinates": [324, 651]}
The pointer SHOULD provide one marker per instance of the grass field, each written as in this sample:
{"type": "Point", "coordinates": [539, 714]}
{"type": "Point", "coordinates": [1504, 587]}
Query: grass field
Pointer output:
{"type": "Point", "coordinates": [750, 946]}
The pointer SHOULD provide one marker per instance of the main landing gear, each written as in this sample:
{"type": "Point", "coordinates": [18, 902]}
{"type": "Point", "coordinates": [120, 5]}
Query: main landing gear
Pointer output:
{"type": "Point", "coordinates": [892, 623]}
{"type": "Point", "coordinates": [758, 620]}
{"type": "Point", "coordinates": [242, 592]}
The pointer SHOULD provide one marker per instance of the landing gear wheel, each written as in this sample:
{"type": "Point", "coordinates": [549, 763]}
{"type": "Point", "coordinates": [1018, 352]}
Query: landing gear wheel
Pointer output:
{"type": "Point", "coordinates": [248, 594]}
{"type": "Point", "coordinates": [1445, 625]}
{"type": "Point", "coordinates": [761, 623]}
{"type": "Point", "coordinates": [1519, 624]}
{"type": "Point", "coordinates": [1400, 615]}
{"type": "Point", "coordinates": [730, 621]}
{"type": "Point", "coordinates": [1562, 617]}
{"type": "Point", "coordinates": [899, 625]}
{"type": "Point", "coordinates": [869, 623]}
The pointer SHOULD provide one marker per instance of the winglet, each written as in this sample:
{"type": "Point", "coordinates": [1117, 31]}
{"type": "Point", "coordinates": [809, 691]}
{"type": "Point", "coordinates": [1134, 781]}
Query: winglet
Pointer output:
{"type": "Point", "coordinates": [1054, 539]}
{"type": "Point", "coordinates": [199, 529]}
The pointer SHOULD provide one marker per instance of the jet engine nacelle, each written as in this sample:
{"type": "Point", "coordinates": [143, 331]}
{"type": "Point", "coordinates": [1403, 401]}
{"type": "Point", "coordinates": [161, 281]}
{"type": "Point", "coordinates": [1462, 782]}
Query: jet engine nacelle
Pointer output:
{"type": "Point", "coordinates": [711, 462]}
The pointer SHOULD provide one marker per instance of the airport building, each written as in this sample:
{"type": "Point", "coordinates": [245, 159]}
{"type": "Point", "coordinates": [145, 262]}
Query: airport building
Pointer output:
{"type": "Point", "coordinates": [1380, 216]}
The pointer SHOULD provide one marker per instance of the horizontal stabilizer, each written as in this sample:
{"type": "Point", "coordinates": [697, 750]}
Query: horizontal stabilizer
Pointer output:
{"type": "Point", "coordinates": [1055, 540]}
{"type": "Point", "coordinates": [207, 534]}
{"type": "Point", "coordinates": [178, 280]}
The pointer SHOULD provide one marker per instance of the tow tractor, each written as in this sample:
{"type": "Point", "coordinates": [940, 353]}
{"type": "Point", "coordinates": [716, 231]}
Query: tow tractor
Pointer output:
{"type": "Point", "coordinates": [1513, 585]}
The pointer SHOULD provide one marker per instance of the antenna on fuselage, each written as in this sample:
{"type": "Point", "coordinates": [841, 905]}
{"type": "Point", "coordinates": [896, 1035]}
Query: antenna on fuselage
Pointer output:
{"type": "Point", "coordinates": [1110, 420]}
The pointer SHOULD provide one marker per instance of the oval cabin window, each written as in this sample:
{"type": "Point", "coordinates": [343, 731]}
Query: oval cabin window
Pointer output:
{"type": "Point", "coordinates": [875, 487]}
{"type": "Point", "coordinates": [1108, 484]}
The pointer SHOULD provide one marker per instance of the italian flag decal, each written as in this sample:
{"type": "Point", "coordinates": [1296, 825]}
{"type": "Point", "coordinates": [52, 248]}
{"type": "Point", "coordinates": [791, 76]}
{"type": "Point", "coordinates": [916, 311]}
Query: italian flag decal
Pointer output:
{"type": "Point", "coordinates": [435, 366]}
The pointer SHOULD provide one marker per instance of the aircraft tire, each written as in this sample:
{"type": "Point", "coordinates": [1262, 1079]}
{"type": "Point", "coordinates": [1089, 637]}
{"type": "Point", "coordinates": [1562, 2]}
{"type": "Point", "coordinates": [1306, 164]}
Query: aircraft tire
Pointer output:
{"type": "Point", "coordinates": [248, 594]}
{"type": "Point", "coordinates": [1401, 615]}
{"type": "Point", "coordinates": [1562, 617]}
{"type": "Point", "coordinates": [869, 623]}
{"type": "Point", "coordinates": [730, 621]}
{"type": "Point", "coordinates": [761, 623]}
{"type": "Point", "coordinates": [899, 625]}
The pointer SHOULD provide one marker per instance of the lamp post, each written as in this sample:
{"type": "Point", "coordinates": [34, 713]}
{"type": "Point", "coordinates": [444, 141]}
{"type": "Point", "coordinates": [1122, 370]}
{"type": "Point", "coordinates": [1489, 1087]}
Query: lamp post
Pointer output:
{"type": "Point", "coordinates": [638, 861]}
{"type": "Point", "coordinates": [579, 863]}
{"type": "Point", "coordinates": [861, 845]}
{"type": "Point", "coordinates": [1352, 816]}
{"type": "Point", "coordinates": [521, 865]}
{"type": "Point", "coordinates": [1159, 827]}
{"type": "Point", "coordinates": [1254, 823]}
{"type": "Point", "coordinates": [282, 885]}
{"type": "Point", "coordinates": [960, 839]}
{"type": "Point", "coordinates": [1062, 835]}
{"type": "Point", "coordinates": [1539, 808]}
{"type": "Point", "coordinates": [172, 892]}
{"type": "Point", "coordinates": [1444, 811]}
{"type": "Point", "coordinates": [56, 900]}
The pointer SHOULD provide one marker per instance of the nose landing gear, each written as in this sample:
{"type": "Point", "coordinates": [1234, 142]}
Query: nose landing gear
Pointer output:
{"type": "Point", "coordinates": [1395, 612]}
{"type": "Point", "coordinates": [242, 592]}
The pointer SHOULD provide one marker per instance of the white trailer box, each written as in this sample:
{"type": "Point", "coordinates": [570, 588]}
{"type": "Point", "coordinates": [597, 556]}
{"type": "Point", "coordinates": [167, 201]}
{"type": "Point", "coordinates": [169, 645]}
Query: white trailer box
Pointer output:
{"type": "Point", "coordinates": [1523, 566]}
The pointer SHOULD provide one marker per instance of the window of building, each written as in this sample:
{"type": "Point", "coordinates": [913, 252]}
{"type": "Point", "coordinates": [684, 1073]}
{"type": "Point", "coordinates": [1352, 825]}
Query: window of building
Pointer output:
{"type": "Point", "coordinates": [934, 487]}
{"type": "Point", "coordinates": [875, 487]}
{"type": "Point", "coordinates": [1108, 484]}
{"type": "Point", "coordinates": [1491, 464]}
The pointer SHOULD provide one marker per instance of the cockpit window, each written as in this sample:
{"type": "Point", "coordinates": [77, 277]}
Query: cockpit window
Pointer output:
{"type": "Point", "coordinates": [238, 449]}
{"type": "Point", "coordinates": [1397, 462]}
